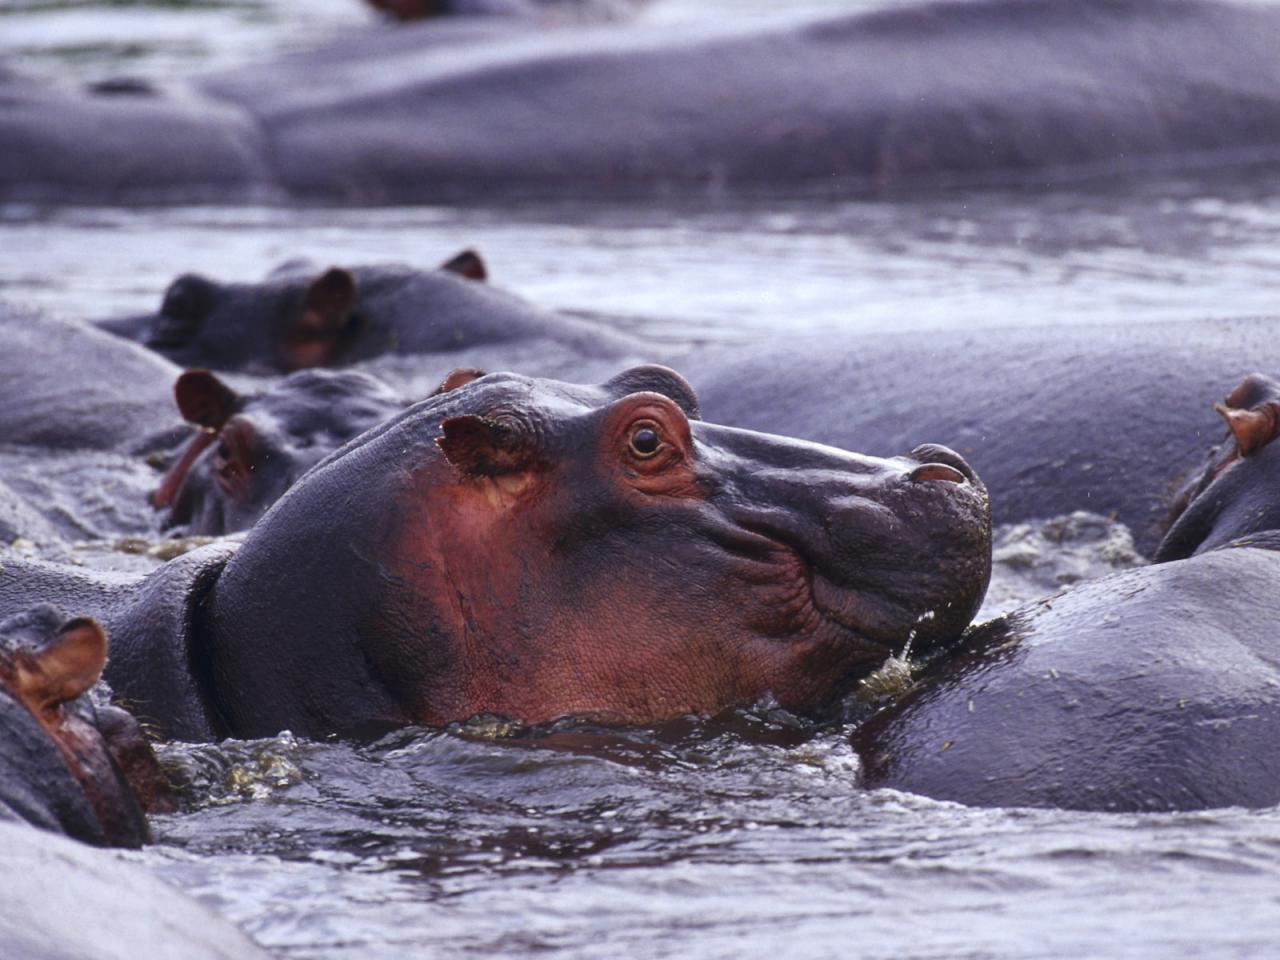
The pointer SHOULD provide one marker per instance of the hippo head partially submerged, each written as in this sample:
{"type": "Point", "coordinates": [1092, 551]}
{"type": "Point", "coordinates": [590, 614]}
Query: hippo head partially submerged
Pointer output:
{"type": "Point", "coordinates": [297, 319]}
{"type": "Point", "coordinates": [534, 549]}
{"type": "Point", "coordinates": [64, 763]}
{"type": "Point", "coordinates": [1237, 492]}
{"type": "Point", "coordinates": [251, 448]}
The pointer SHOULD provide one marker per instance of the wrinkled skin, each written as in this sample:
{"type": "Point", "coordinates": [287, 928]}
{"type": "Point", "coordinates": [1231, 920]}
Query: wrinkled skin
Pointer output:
{"type": "Point", "coordinates": [1031, 91]}
{"type": "Point", "coordinates": [67, 765]}
{"type": "Point", "coordinates": [1152, 689]}
{"type": "Point", "coordinates": [536, 549]}
{"type": "Point", "coordinates": [252, 448]}
{"type": "Point", "coordinates": [302, 317]}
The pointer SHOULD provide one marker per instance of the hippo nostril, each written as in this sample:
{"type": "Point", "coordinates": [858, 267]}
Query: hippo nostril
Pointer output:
{"type": "Point", "coordinates": [933, 454]}
{"type": "Point", "coordinates": [936, 471]}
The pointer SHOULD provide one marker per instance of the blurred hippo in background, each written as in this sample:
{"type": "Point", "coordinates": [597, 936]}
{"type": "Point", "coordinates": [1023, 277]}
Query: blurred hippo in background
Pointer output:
{"type": "Point", "coordinates": [1152, 689]}
{"type": "Point", "coordinates": [69, 765]}
{"type": "Point", "coordinates": [1032, 91]}
{"type": "Point", "coordinates": [301, 317]}
{"type": "Point", "coordinates": [66, 386]}
{"type": "Point", "coordinates": [534, 549]}
{"type": "Point", "coordinates": [252, 447]}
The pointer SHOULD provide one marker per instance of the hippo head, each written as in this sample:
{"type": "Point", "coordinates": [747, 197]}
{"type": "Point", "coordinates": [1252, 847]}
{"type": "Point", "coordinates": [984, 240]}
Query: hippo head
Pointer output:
{"type": "Point", "coordinates": [534, 549]}
{"type": "Point", "coordinates": [62, 757]}
{"type": "Point", "coordinates": [250, 449]}
{"type": "Point", "coordinates": [295, 320]}
{"type": "Point", "coordinates": [1238, 490]}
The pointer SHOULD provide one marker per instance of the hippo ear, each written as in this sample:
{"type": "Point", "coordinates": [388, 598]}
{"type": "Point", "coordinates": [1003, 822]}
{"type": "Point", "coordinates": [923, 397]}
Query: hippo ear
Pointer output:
{"type": "Point", "coordinates": [467, 264]}
{"type": "Point", "coordinates": [329, 299]}
{"type": "Point", "coordinates": [458, 377]}
{"type": "Point", "coordinates": [1252, 429]}
{"type": "Point", "coordinates": [205, 400]}
{"type": "Point", "coordinates": [65, 667]}
{"type": "Point", "coordinates": [480, 447]}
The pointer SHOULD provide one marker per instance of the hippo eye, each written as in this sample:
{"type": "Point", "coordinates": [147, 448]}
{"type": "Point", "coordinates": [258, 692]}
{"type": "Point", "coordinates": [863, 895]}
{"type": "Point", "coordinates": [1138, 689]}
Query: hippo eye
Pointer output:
{"type": "Point", "coordinates": [644, 440]}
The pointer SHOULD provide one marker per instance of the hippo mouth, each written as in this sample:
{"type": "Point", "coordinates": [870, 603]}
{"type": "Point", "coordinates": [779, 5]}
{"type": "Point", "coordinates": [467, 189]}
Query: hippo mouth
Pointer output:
{"type": "Point", "coordinates": [857, 608]}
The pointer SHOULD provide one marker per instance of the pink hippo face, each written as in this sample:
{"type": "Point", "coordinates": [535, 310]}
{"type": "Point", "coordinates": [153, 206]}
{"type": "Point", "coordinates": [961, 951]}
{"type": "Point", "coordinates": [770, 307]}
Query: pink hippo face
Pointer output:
{"type": "Point", "coordinates": [534, 549]}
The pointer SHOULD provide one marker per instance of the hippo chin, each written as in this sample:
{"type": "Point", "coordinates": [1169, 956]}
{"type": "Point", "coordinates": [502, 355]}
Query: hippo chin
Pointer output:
{"type": "Point", "coordinates": [1152, 689]}
{"type": "Point", "coordinates": [535, 549]}
{"type": "Point", "coordinates": [65, 764]}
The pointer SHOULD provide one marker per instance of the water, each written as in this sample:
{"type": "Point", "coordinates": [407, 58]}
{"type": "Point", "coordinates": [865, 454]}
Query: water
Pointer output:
{"type": "Point", "coordinates": [739, 836]}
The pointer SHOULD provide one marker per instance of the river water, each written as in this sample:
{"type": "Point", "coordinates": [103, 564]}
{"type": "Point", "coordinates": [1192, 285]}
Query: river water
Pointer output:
{"type": "Point", "coordinates": [738, 836]}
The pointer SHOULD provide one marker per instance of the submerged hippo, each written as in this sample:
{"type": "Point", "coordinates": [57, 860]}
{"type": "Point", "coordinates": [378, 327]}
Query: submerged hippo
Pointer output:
{"type": "Point", "coordinates": [251, 448]}
{"type": "Point", "coordinates": [68, 765]}
{"type": "Point", "coordinates": [536, 549]}
{"type": "Point", "coordinates": [67, 386]}
{"type": "Point", "coordinates": [1152, 689]}
{"type": "Point", "coordinates": [854, 101]}
{"type": "Point", "coordinates": [301, 317]}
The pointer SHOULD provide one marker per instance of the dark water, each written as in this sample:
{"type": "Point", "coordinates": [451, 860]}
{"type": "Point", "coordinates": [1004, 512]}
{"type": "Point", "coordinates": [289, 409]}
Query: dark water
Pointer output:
{"type": "Point", "coordinates": [741, 836]}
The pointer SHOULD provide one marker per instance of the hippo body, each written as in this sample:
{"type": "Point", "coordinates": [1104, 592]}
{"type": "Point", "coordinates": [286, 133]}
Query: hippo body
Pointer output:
{"type": "Point", "coordinates": [120, 909]}
{"type": "Point", "coordinates": [1151, 689]}
{"type": "Point", "coordinates": [1100, 418]}
{"type": "Point", "coordinates": [535, 549]}
{"type": "Point", "coordinates": [1032, 89]}
{"type": "Point", "coordinates": [66, 386]}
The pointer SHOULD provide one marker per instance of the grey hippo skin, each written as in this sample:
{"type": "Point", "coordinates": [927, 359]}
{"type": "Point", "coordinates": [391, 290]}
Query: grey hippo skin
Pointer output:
{"type": "Point", "coordinates": [989, 91]}
{"type": "Point", "coordinates": [303, 316]}
{"type": "Point", "coordinates": [1101, 418]}
{"type": "Point", "coordinates": [535, 549]}
{"type": "Point", "coordinates": [68, 386]}
{"type": "Point", "coordinates": [65, 901]}
{"type": "Point", "coordinates": [1154, 689]}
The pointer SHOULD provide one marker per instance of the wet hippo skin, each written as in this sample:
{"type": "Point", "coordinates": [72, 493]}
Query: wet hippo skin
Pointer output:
{"type": "Point", "coordinates": [1153, 689]}
{"type": "Point", "coordinates": [1030, 90]}
{"type": "Point", "coordinates": [535, 549]}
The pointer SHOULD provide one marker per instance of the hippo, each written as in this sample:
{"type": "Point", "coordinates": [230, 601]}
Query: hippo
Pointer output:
{"type": "Point", "coordinates": [1151, 689]}
{"type": "Point", "coordinates": [1033, 91]}
{"type": "Point", "coordinates": [70, 765]}
{"type": "Point", "coordinates": [302, 317]}
{"type": "Point", "coordinates": [117, 398]}
{"type": "Point", "coordinates": [251, 448]}
{"type": "Point", "coordinates": [535, 549]}
{"type": "Point", "coordinates": [1055, 419]}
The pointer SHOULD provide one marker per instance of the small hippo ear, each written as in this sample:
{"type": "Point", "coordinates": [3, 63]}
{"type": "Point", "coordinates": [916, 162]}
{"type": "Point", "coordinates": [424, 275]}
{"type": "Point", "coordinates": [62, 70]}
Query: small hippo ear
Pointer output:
{"type": "Point", "coordinates": [458, 377]}
{"type": "Point", "coordinates": [480, 447]}
{"type": "Point", "coordinates": [205, 400]}
{"type": "Point", "coordinates": [329, 299]}
{"type": "Point", "coordinates": [467, 264]}
{"type": "Point", "coordinates": [1252, 429]}
{"type": "Point", "coordinates": [68, 665]}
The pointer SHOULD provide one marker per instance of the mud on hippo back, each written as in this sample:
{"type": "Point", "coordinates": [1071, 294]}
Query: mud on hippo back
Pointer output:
{"type": "Point", "coordinates": [535, 549]}
{"type": "Point", "coordinates": [1153, 689]}
{"type": "Point", "coordinates": [302, 317]}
